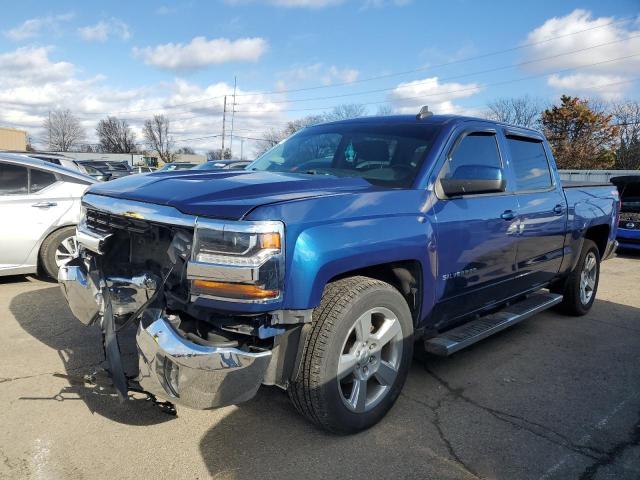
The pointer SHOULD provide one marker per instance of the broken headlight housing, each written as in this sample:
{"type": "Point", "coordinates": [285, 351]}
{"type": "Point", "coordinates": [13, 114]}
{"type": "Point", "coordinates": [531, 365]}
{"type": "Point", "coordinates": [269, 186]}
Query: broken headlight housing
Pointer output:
{"type": "Point", "coordinates": [237, 261]}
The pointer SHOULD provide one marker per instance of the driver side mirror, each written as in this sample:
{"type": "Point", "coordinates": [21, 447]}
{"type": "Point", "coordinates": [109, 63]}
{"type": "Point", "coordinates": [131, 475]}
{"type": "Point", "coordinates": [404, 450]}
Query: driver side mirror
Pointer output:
{"type": "Point", "coordinates": [472, 179]}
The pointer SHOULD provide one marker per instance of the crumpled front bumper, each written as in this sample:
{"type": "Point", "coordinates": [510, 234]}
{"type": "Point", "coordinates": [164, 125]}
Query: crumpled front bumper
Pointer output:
{"type": "Point", "coordinates": [170, 366]}
{"type": "Point", "coordinates": [194, 375]}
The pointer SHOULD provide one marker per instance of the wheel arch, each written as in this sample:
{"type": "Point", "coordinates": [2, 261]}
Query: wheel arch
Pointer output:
{"type": "Point", "coordinates": [51, 231]}
{"type": "Point", "coordinates": [405, 276]}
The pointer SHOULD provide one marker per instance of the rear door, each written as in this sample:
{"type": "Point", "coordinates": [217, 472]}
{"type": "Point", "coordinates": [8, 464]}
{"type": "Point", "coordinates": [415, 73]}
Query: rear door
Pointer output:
{"type": "Point", "coordinates": [542, 209]}
{"type": "Point", "coordinates": [476, 235]}
{"type": "Point", "coordinates": [31, 201]}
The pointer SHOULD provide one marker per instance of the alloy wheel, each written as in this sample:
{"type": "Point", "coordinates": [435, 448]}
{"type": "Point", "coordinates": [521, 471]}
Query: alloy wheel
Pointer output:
{"type": "Point", "coordinates": [67, 250]}
{"type": "Point", "coordinates": [588, 278]}
{"type": "Point", "coordinates": [370, 359]}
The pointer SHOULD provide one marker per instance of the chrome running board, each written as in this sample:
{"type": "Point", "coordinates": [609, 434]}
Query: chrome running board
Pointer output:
{"type": "Point", "coordinates": [460, 337]}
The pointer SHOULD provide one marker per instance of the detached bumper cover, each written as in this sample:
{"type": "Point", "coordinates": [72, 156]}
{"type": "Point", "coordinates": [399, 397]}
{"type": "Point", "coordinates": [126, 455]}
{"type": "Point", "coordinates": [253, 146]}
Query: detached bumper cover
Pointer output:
{"type": "Point", "coordinates": [171, 367]}
{"type": "Point", "coordinates": [193, 375]}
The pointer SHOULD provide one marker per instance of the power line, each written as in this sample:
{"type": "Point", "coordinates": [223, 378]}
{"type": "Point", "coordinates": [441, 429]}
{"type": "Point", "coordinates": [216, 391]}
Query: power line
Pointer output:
{"type": "Point", "coordinates": [378, 77]}
{"type": "Point", "coordinates": [467, 89]}
{"type": "Point", "coordinates": [470, 74]}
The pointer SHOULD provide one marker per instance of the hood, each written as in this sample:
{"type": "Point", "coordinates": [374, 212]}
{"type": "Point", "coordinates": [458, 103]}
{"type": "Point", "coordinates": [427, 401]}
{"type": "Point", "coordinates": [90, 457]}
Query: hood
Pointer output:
{"type": "Point", "coordinates": [226, 194]}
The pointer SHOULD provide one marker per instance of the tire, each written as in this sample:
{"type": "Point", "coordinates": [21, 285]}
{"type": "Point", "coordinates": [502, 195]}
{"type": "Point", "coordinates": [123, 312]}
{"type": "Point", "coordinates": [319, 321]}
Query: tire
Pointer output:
{"type": "Point", "coordinates": [575, 301]}
{"type": "Point", "coordinates": [338, 338]}
{"type": "Point", "coordinates": [58, 243]}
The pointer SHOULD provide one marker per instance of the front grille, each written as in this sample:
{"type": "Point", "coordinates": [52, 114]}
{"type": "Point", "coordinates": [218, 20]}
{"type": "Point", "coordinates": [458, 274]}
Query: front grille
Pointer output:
{"type": "Point", "coordinates": [629, 224]}
{"type": "Point", "coordinates": [104, 222]}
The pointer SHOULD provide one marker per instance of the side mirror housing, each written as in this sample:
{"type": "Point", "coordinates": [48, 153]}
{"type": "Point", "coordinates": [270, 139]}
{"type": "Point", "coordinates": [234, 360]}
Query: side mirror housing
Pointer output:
{"type": "Point", "coordinates": [472, 179]}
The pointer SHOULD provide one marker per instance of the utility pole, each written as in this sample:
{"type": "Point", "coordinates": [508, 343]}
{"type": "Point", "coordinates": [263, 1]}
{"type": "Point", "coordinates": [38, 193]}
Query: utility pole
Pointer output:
{"type": "Point", "coordinates": [233, 112]}
{"type": "Point", "coordinates": [49, 129]}
{"type": "Point", "coordinates": [224, 117]}
{"type": "Point", "coordinates": [241, 149]}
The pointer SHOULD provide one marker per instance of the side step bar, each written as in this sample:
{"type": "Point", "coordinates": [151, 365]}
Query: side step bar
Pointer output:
{"type": "Point", "coordinates": [460, 337]}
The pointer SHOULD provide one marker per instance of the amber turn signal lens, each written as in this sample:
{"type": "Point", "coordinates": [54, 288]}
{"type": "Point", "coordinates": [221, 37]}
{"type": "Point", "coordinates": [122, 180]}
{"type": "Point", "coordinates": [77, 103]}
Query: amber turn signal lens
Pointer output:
{"type": "Point", "coordinates": [234, 290]}
{"type": "Point", "coordinates": [270, 241]}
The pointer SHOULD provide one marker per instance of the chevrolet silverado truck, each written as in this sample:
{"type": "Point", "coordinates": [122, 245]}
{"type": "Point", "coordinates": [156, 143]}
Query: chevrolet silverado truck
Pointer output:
{"type": "Point", "coordinates": [319, 267]}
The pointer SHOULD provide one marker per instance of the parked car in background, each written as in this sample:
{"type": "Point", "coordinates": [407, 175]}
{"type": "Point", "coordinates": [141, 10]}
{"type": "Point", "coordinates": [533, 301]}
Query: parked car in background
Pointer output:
{"type": "Point", "coordinates": [142, 169]}
{"type": "Point", "coordinates": [223, 165]}
{"type": "Point", "coordinates": [170, 167]}
{"type": "Point", "coordinates": [39, 208]}
{"type": "Point", "coordinates": [100, 175]}
{"type": "Point", "coordinates": [115, 168]}
{"type": "Point", "coordinates": [318, 267]}
{"type": "Point", "coordinates": [71, 164]}
{"type": "Point", "coordinates": [629, 225]}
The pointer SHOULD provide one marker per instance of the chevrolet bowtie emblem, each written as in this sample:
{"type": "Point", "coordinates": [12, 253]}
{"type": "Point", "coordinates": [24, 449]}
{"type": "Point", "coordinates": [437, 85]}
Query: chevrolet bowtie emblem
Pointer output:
{"type": "Point", "coordinates": [133, 215]}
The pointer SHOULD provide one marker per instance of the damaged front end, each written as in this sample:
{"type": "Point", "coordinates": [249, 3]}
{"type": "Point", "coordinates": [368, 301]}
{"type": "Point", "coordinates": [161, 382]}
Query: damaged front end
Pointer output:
{"type": "Point", "coordinates": [148, 265]}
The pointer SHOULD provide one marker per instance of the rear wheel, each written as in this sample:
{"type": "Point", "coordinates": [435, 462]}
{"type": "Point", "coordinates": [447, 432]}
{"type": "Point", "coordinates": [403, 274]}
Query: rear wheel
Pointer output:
{"type": "Point", "coordinates": [356, 357]}
{"type": "Point", "coordinates": [57, 249]}
{"type": "Point", "coordinates": [579, 289]}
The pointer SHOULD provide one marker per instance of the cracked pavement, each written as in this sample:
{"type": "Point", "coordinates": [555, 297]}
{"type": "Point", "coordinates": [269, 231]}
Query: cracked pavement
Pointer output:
{"type": "Point", "coordinates": [552, 398]}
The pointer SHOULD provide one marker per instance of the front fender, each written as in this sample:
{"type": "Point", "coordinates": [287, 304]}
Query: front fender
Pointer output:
{"type": "Point", "coordinates": [324, 252]}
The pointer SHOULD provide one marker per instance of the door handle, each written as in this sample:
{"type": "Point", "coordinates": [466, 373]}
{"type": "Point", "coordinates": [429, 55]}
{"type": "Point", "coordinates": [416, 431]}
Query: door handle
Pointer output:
{"type": "Point", "coordinates": [558, 209]}
{"type": "Point", "coordinates": [44, 204]}
{"type": "Point", "coordinates": [508, 215]}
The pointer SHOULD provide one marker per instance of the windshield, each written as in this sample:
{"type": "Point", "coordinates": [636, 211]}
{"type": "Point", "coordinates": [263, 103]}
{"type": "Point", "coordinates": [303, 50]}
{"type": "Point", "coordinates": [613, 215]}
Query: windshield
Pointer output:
{"type": "Point", "coordinates": [170, 167]}
{"type": "Point", "coordinates": [383, 154]}
{"type": "Point", "coordinates": [210, 166]}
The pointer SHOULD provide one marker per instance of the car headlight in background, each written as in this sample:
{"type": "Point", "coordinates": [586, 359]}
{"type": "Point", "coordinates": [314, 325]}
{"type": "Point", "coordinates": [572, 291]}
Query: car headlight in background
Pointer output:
{"type": "Point", "coordinates": [239, 261]}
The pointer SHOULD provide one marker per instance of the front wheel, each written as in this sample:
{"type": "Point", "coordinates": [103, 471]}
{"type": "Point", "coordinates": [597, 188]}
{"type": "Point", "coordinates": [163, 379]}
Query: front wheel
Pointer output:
{"type": "Point", "coordinates": [356, 357]}
{"type": "Point", "coordinates": [580, 287]}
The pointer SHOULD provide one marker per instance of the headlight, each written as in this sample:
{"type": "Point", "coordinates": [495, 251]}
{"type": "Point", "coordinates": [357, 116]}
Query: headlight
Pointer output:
{"type": "Point", "coordinates": [241, 261]}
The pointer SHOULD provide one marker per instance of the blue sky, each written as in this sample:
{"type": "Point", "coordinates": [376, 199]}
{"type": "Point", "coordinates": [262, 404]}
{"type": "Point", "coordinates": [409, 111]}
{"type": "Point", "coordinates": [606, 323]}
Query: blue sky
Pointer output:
{"type": "Point", "coordinates": [298, 57]}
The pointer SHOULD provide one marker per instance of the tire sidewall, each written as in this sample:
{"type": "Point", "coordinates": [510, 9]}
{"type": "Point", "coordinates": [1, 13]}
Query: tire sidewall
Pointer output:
{"type": "Point", "coordinates": [50, 245]}
{"type": "Point", "coordinates": [342, 418]}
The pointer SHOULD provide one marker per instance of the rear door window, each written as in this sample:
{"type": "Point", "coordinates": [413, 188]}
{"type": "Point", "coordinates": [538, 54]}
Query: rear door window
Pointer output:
{"type": "Point", "coordinates": [14, 179]}
{"type": "Point", "coordinates": [530, 163]}
{"type": "Point", "coordinates": [40, 180]}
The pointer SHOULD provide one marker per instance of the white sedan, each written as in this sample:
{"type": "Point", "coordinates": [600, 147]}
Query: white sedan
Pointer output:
{"type": "Point", "coordinates": [39, 208]}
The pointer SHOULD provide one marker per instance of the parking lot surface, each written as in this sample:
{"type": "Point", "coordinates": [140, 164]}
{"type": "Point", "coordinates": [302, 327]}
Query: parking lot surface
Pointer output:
{"type": "Point", "coordinates": [553, 397]}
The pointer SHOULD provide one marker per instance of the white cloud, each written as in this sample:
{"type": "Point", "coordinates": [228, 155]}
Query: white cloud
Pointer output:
{"type": "Point", "coordinates": [35, 26]}
{"type": "Point", "coordinates": [410, 96]}
{"type": "Point", "coordinates": [602, 30]}
{"type": "Point", "coordinates": [200, 53]}
{"type": "Point", "coordinates": [317, 73]}
{"type": "Point", "coordinates": [607, 87]}
{"type": "Point", "coordinates": [32, 83]}
{"type": "Point", "coordinates": [101, 31]}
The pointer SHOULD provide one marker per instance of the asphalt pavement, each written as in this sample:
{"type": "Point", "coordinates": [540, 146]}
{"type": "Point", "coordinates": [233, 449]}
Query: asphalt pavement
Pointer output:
{"type": "Point", "coordinates": [554, 397]}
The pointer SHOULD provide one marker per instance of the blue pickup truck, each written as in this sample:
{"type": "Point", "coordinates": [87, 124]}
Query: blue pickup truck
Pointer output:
{"type": "Point", "coordinates": [320, 266]}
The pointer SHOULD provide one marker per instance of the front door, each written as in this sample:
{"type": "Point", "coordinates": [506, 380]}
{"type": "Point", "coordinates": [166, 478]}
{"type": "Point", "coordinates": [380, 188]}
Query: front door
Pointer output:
{"type": "Point", "coordinates": [476, 236]}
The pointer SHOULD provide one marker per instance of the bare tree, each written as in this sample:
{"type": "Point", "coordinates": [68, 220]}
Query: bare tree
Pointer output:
{"type": "Point", "coordinates": [219, 154]}
{"type": "Point", "coordinates": [186, 151]}
{"type": "Point", "coordinates": [115, 136]}
{"type": "Point", "coordinates": [523, 111]}
{"type": "Point", "coordinates": [156, 134]}
{"type": "Point", "coordinates": [346, 111]}
{"type": "Point", "coordinates": [384, 110]}
{"type": "Point", "coordinates": [627, 117]}
{"type": "Point", "coordinates": [63, 130]}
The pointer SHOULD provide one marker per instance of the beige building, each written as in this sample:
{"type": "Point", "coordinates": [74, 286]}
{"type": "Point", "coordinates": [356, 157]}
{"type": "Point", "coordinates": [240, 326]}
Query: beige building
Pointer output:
{"type": "Point", "coordinates": [12, 139]}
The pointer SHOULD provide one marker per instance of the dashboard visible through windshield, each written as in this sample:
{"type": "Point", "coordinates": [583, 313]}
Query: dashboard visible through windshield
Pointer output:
{"type": "Point", "coordinates": [383, 154]}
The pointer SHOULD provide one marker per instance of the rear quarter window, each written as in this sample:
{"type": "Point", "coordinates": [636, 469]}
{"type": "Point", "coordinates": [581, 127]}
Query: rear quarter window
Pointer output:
{"type": "Point", "coordinates": [40, 180]}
